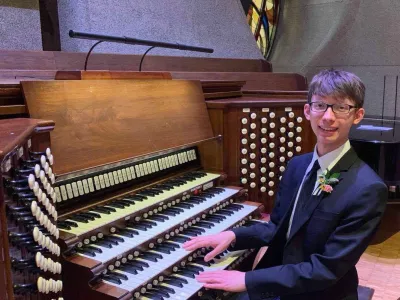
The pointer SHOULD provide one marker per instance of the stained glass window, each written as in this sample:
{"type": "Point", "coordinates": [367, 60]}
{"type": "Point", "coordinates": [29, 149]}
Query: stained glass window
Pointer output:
{"type": "Point", "coordinates": [262, 17]}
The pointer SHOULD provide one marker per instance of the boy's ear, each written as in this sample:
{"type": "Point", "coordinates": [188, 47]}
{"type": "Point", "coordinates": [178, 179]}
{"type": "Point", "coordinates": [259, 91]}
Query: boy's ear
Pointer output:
{"type": "Point", "coordinates": [359, 115]}
{"type": "Point", "coordinates": [307, 111]}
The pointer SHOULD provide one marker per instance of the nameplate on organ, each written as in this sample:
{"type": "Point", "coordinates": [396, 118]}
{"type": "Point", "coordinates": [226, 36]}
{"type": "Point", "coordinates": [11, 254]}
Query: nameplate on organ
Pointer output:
{"type": "Point", "coordinates": [137, 177]}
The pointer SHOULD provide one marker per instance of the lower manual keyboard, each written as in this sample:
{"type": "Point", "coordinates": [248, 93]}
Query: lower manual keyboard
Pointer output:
{"type": "Point", "coordinates": [133, 282]}
{"type": "Point", "coordinates": [182, 284]}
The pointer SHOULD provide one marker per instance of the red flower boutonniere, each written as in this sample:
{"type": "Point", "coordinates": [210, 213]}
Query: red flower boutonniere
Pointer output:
{"type": "Point", "coordinates": [326, 182]}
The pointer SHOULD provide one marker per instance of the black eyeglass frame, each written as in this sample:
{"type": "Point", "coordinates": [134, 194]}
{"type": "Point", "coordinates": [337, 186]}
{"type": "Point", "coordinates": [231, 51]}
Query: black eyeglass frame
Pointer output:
{"type": "Point", "coordinates": [331, 106]}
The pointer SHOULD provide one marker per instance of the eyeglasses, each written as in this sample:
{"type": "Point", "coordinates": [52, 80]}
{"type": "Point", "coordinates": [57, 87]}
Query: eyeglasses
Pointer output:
{"type": "Point", "coordinates": [320, 107]}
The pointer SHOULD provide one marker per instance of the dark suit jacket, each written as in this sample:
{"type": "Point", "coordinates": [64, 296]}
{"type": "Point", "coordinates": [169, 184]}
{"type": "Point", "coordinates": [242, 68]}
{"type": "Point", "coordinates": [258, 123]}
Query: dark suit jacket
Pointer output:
{"type": "Point", "coordinates": [326, 239]}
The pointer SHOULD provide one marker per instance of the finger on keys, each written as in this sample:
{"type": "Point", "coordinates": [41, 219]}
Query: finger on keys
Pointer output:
{"type": "Point", "coordinates": [217, 250]}
{"type": "Point", "coordinates": [195, 243]}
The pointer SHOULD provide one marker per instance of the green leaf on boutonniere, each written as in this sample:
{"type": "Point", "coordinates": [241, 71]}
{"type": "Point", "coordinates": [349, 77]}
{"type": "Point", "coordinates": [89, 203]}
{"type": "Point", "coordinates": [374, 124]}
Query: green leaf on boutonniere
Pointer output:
{"type": "Point", "coordinates": [334, 175]}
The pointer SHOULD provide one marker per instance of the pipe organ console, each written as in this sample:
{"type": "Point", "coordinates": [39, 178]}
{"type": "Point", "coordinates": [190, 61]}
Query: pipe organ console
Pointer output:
{"type": "Point", "coordinates": [29, 262]}
{"type": "Point", "coordinates": [132, 186]}
{"type": "Point", "coordinates": [262, 132]}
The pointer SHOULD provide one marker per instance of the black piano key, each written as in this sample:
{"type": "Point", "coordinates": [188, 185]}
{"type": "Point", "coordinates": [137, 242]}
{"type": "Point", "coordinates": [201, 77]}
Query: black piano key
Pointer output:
{"type": "Point", "coordinates": [139, 263]}
{"type": "Point", "coordinates": [180, 279]}
{"type": "Point", "coordinates": [111, 279]}
{"type": "Point", "coordinates": [196, 268]}
{"type": "Point", "coordinates": [153, 296]}
{"type": "Point", "coordinates": [225, 212]}
{"type": "Point", "coordinates": [126, 233]}
{"type": "Point", "coordinates": [104, 244]}
{"type": "Point", "coordinates": [118, 275]}
{"type": "Point", "coordinates": [158, 291]}
{"type": "Point", "coordinates": [148, 222]}
{"type": "Point", "coordinates": [162, 250]}
{"type": "Point", "coordinates": [129, 269]}
{"type": "Point", "coordinates": [131, 231]}
{"type": "Point", "coordinates": [166, 288]}
{"type": "Point", "coordinates": [142, 195]}
{"type": "Point", "coordinates": [95, 215]}
{"type": "Point", "coordinates": [179, 239]}
{"type": "Point", "coordinates": [197, 229]}
{"type": "Point", "coordinates": [86, 252]}
{"type": "Point", "coordinates": [156, 255]}
{"type": "Point", "coordinates": [85, 216]}
{"type": "Point", "coordinates": [115, 205]}
{"type": "Point", "coordinates": [125, 202]}
{"type": "Point", "coordinates": [101, 210]}
{"type": "Point", "coordinates": [137, 226]}
{"type": "Point", "coordinates": [136, 197]}
{"type": "Point", "coordinates": [184, 205]}
{"type": "Point", "coordinates": [78, 219]}
{"type": "Point", "coordinates": [159, 218]}
{"type": "Point", "coordinates": [114, 238]}
{"type": "Point", "coordinates": [63, 226]}
{"type": "Point", "coordinates": [149, 258]}
{"type": "Point", "coordinates": [169, 213]}
{"type": "Point", "coordinates": [94, 249]}
{"type": "Point", "coordinates": [173, 282]}
{"type": "Point", "coordinates": [190, 233]}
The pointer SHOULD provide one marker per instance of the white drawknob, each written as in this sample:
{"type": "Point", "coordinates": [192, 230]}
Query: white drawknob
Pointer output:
{"type": "Point", "coordinates": [290, 134]}
{"type": "Point", "coordinates": [244, 121]}
{"type": "Point", "coordinates": [282, 139]}
{"type": "Point", "coordinates": [252, 165]}
{"type": "Point", "coordinates": [282, 168]}
{"type": "Point", "coordinates": [244, 141]}
{"type": "Point", "coordinates": [244, 131]}
{"type": "Point", "coordinates": [263, 179]}
{"type": "Point", "coordinates": [271, 164]}
{"type": "Point", "coordinates": [291, 124]}
{"type": "Point", "coordinates": [299, 129]}
{"type": "Point", "coordinates": [270, 193]}
{"type": "Point", "coordinates": [252, 185]}
{"type": "Point", "coordinates": [263, 150]}
{"type": "Point", "coordinates": [272, 115]}
{"type": "Point", "coordinates": [263, 170]}
{"type": "Point", "coordinates": [263, 160]}
{"type": "Point", "coordinates": [271, 183]}
{"type": "Point", "coordinates": [252, 156]}
{"type": "Point", "coordinates": [263, 189]}
{"type": "Point", "coordinates": [272, 135]}
{"type": "Point", "coordinates": [252, 175]}
{"type": "Point", "coordinates": [290, 154]}
{"type": "Point", "coordinates": [253, 146]}
{"type": "Point", "coordinates": [299, 119]}
{"type": "Point", "coordinates": [244, 161]}
{"type": "Point", "coordinates": [271, 155]}
{"type": "Point", "coordinates": [263, 130]}
{"type": "Point", "coordinates": [244, 151]}
{"type": "Point", "coordinates": [271, 174]}
{"type": "Point", "coordinates": [263, 120]}
{"type": "Point", "coordinates": [283, 130]}
{"type": "Point", "coordinates": [263, 140]}
{"type": "Point", "coordinates": [282, 159]}
{"type": "Point", "coordinates": [298, 139]}
{"type": "Point", "coordinates": [291, 114]}
{"type": "Point", "coordinates": [253, 125]}
{"type": "Point", "coordinates": [253, 116]}
{"type": "Point", "coordinates": [253, 136]}
{"type": "Point", "coordinates": [244, 180]}
{"type": "Point", "coordinates": [272, 125]}
{"type": "Point", "coordinates": [244, 171]}
{"type": "Point", "coordinates": [298, 149]}
{"type": "Point", "coordinates": [283, 120]}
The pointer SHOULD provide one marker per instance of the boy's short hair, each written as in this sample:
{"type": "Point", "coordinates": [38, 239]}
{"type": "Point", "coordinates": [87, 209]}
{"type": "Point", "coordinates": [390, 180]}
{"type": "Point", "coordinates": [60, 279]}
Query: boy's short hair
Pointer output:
{"type": "Point", "coordinates": [339, 84]}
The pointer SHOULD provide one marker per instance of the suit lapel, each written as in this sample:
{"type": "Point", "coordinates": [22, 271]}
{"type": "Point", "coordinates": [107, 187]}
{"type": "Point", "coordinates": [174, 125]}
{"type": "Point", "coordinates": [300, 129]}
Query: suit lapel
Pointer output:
{"type": "Point", "coordinates": [343, 165]}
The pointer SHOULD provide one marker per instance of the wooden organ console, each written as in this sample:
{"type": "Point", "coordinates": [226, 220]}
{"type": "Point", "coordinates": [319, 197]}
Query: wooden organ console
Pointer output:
{"type": "Point", "coordinates": [29, 262]}
{"type": "Point", "coordinates": [134, 181]}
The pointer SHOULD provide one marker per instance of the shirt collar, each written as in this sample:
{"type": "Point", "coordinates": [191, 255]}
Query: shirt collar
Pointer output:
{"type": "Point", "coordinates": [329, 160]}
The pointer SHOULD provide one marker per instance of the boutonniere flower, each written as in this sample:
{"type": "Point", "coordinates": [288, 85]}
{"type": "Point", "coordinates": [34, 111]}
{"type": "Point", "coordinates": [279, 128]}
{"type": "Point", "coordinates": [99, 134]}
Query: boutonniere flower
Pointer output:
{"type": "Point", "coordinates": [326, 182]}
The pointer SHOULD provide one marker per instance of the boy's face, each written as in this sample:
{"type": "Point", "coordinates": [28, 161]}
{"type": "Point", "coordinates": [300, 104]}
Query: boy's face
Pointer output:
{"type": "Point", "coordinates": [332, 129]}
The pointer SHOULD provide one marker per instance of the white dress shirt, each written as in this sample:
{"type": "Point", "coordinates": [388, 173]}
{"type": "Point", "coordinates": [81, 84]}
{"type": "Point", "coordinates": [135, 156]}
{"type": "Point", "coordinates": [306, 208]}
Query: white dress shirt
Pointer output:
{"type": "Point", "coordinates": [326, 162]}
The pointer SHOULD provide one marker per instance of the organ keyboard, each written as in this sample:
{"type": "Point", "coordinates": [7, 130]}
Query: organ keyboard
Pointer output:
{"type": "Point", "coordinates": [29, 264]}
{"type": "Point", "coordinates": [131, 187]}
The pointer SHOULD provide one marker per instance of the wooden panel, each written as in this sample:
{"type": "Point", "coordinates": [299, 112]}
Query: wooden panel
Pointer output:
{"type": "Point", "coordinates": [94, 75]}
{"type": "Point", "coordinates": [254, 80]}
{"type": "Point", "coordinates": [27, 60]}
{"type": "Point", "coordinates": [13, 131]}
{"type": "Point", "coordinates": [48, 60]}
{"type": "Point", "coordinates": [103, 121]}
